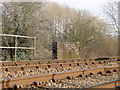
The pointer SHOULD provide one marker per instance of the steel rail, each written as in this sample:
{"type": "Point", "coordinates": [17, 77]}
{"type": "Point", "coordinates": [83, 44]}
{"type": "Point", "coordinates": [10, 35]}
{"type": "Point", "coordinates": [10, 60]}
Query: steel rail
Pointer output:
{"type": "Point", "coordinates": [107, 85]}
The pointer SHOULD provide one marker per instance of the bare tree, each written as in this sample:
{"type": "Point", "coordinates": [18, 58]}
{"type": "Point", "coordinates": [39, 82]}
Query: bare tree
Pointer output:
{"type": "Point", "coordinates": [111, 12]}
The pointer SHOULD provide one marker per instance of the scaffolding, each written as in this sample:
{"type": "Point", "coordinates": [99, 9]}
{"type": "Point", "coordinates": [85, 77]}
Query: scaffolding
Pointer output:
{"type": "Point", "coordinates": [16, 36]}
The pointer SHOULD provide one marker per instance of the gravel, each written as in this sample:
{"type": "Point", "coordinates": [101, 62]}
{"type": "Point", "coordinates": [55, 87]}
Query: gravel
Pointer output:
{"type": "Point", "coordinates": [83, 82]}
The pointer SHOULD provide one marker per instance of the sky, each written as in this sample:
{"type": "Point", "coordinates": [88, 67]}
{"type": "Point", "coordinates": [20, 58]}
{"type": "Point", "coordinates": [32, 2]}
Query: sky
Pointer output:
{"type": "Point", "coordinates": [94, 6]}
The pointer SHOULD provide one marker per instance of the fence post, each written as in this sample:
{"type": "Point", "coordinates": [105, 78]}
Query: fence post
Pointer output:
{"type": "Point", "coordinates": [15, 47]}
{"type": "Point", "coordinates": [34, 48]}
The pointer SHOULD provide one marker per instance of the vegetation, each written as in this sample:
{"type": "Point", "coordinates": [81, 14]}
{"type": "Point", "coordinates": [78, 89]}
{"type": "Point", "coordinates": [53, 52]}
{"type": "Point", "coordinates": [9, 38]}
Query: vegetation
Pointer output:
{"type": "Point", "coordinates": [51, 22]}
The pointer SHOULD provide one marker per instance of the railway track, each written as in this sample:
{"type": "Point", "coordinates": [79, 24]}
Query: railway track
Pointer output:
{"type": "Point", "coordinates": [110, 85]}
{"type": "Point", "coordinates": [11, 68]}
{"type": "Point", "coordinates": [19, 71]}
{"type": "Point", "coordinates": [24, 73]}
{"type": "Point", "coordinates": [36, 62]}
{"type": "Point", "coordinates": [20, 65]}
{"type": "Point", "coordinates": [9, 83]}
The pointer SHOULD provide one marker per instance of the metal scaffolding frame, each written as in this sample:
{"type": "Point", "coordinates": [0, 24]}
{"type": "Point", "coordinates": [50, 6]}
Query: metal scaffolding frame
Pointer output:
{"type": "Point", "coordinates": [16, 36]}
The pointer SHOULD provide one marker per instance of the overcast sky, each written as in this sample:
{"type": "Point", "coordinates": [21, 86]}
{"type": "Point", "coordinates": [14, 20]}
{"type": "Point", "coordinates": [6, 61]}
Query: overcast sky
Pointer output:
{"type": "Point", "coordinates": [94, 6]}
